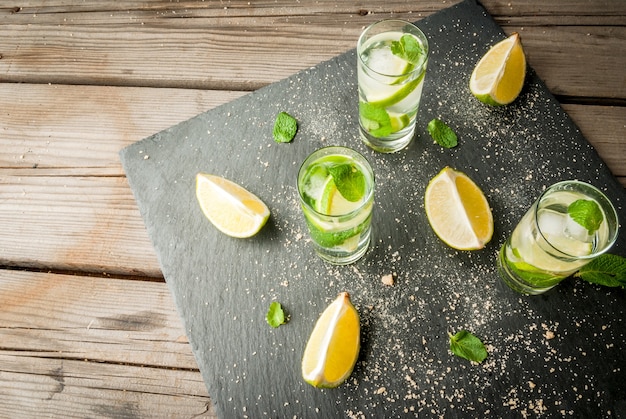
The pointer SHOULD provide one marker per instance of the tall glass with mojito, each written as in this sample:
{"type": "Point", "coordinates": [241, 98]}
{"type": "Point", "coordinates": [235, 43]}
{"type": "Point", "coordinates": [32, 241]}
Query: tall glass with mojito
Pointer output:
{"type": "Point", "coordinates": [569, 225]}
{"type": "Point", "coordinates": [392, 60]}
{"type": "Point", "coordinates": [336, 189]}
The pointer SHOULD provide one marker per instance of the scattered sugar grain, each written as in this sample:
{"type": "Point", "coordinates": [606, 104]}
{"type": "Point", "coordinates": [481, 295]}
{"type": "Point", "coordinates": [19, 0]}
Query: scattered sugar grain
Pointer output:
{"type": "Point", "coordinates": [388, 280]}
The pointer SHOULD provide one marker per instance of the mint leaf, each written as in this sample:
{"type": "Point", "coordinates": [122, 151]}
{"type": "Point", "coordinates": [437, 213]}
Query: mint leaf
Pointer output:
{"type": "Point", "coordinates": [586, 213]}
{"type": "Point", "coordinates": [375, 120]}
{"type": "Point", "coordinates": [285, 128]}
{"type": "Point", "coordinates": [442, 133]}
{"type": "Point", "coordinates": [467, 346]}
{"type": "Point", "coordinates": [275, 315]}
{"type": "Point", "coordinates": [608, 270]}
{"type": "Point", "coordinates": [408, 48]}
{"type": "Point", "coordinates": [349, 180]}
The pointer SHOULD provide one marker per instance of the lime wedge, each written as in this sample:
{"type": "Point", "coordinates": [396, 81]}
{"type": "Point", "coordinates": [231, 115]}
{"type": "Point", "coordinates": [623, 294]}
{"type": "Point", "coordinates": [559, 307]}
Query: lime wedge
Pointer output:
{"type": "Point", "coordinates": [399, 94]}
{"type": "Point", "coordinates": [498, 77]}
{"type": "Point", "coordinates": [232, 209]}
{"type": "Point", "coordinates": [332, 202]}
{"type": "Point", "coordinates": [409, 67]}
{"type": "Point", "coordinates": [458, 211]}
{"type": "Point", "coordinates": [398, 122]}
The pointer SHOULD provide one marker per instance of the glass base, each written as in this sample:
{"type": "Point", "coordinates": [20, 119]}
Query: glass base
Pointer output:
{"type": "Point", "coordinates": [390, 144]}
{"type": "Point", "coordinates": [514, 281]}
{"type": "Point", "coordinates": [337, 256]}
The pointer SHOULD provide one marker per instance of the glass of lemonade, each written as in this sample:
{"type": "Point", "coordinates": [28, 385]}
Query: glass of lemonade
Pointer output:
{"type": "Point", "coordinates": [336, 189]}
{"type": "Point", "coordinates": [392, 59]}
{"type": "Point", "coordinates": [570, 224]}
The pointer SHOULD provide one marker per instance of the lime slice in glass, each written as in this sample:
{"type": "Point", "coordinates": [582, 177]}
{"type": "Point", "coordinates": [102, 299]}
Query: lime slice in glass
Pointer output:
{"type": "Point", "coordinates": [332, 202]}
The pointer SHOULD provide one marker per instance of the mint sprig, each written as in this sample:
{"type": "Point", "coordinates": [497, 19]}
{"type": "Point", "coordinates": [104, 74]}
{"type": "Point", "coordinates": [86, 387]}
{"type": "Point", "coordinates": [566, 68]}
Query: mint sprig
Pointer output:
{"type": "Point", "coordinates": [608, 270]}
{"type": "Point", "coordinates": [349, 180]}
{"type": "Point", "coordinates": [375, 119]}
{"type": "Point", "coordinates": [408, 48]}
{"type": "Point", "coordinates": [468, 346]}
{"type": "Point", "coordinates": [275, 315]}
{"type": "Point", "coordinates": [587, 213]}
{"type": "Point", "coordinates": [442, 133]}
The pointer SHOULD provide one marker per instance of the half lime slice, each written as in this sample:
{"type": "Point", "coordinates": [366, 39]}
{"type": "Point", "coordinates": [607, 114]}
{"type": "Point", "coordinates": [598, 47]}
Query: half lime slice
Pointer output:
{"type": "Point", "coordinates": [332, 202]}
{"type": "Point", "coordinates": [399, 94]}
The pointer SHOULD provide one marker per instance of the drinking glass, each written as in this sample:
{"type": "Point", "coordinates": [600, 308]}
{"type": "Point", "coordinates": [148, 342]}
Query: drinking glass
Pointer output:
{"type": "Point", "coordinates": [569, 225]}
{"type": "Point", "coordinates": [392, 58]}
{"type": "Point", "coordinates": [336, 190]}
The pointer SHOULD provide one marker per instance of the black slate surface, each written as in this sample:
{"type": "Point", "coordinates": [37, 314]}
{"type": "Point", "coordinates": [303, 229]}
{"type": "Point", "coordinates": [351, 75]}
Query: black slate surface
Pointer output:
{"type": "Point", "coordinates": [560, 354]}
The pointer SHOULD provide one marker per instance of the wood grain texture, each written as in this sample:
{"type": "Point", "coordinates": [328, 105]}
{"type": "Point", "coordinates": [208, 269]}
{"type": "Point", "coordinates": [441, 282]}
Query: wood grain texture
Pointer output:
{"type": "Point", "coordinates": [75, 346]}
{"type": "Point", "coordinates": [143, 46]}
{"type": "Point", "coordinates": [73, 223]}
{"type": "Point", "coordinates": [96, 319]}
{"type": "Point", "coordinates": [78, 126]}
{"type": "Point", "coordinates": [40, 131]}
{"type": "Point", "coordinates": [605, 128]}
{"type": "Point", "coordinates": [32, 385]}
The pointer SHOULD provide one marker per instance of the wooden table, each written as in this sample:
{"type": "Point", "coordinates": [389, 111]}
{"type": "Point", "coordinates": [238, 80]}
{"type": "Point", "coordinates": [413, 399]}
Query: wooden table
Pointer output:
{"type": "Point", "coordinates": [87, 325]}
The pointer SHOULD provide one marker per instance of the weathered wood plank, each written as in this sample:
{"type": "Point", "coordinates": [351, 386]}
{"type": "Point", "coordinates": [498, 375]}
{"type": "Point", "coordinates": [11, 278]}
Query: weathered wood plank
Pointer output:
{"type": "Point", "coordinates": [90, 224]}
{"type": "Point", "coordinates": [192, 45]}
{"type": "Point", "coordinates": [66, 338]}
{"type": "Point", "coordinates": [102, 320]}
{"type": "Point", "coordinates": [605, 128]}
{"type": "Point", "coordinates": [32, 385]}
{"type": "Point", "coordinates": [258, 8]}
{"type": "Point", "coordinates": [578, 61]}
{"type": "Point", "coordinates": [80, 126]}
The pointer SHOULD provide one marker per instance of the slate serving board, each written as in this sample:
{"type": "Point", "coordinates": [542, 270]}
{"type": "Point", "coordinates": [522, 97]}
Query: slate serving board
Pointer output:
{"type": "Point", "coordinates": [559, 354]}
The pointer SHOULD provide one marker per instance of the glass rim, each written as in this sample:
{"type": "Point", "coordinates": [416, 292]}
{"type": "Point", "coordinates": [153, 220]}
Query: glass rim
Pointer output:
{"type": "Point", "coordinates": [613, 213]}
{"type": "Point", "coordinates": [421, 68]}
{"type": "Point", "coordinates": [342, 151]}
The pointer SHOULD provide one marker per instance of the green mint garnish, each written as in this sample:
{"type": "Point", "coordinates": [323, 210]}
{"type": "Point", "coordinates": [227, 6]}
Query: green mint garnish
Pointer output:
{"type": "Point", "coordinates": [586, 213]}
{"type": "Point", "coordinates": [442, 133]}
{"type": "Point", "coordinates": [275, 315]}
{"type": "Point", "coordinates": [375, 119]}
{"type": "Point", "coordinates": [467, 346]}
{"type": "Point", "coordinates": [349, 180]}
{"type": "Point", "coordinates": [285, 128]}
{"type": "Point", "coordinates": [408, 48]}
{"type": "Point", "coordinates": [608, 270]}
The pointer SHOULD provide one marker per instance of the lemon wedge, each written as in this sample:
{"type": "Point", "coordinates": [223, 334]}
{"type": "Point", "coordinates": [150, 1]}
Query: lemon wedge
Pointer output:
{"type": "Point", "coordinates": [231, 208]}
{"type": "Point", "coordinates": [458, 211]}
{"type": "Point", "coordinates": [333, 347]}
{"type": "Point", "coordinates": [499, 76]}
